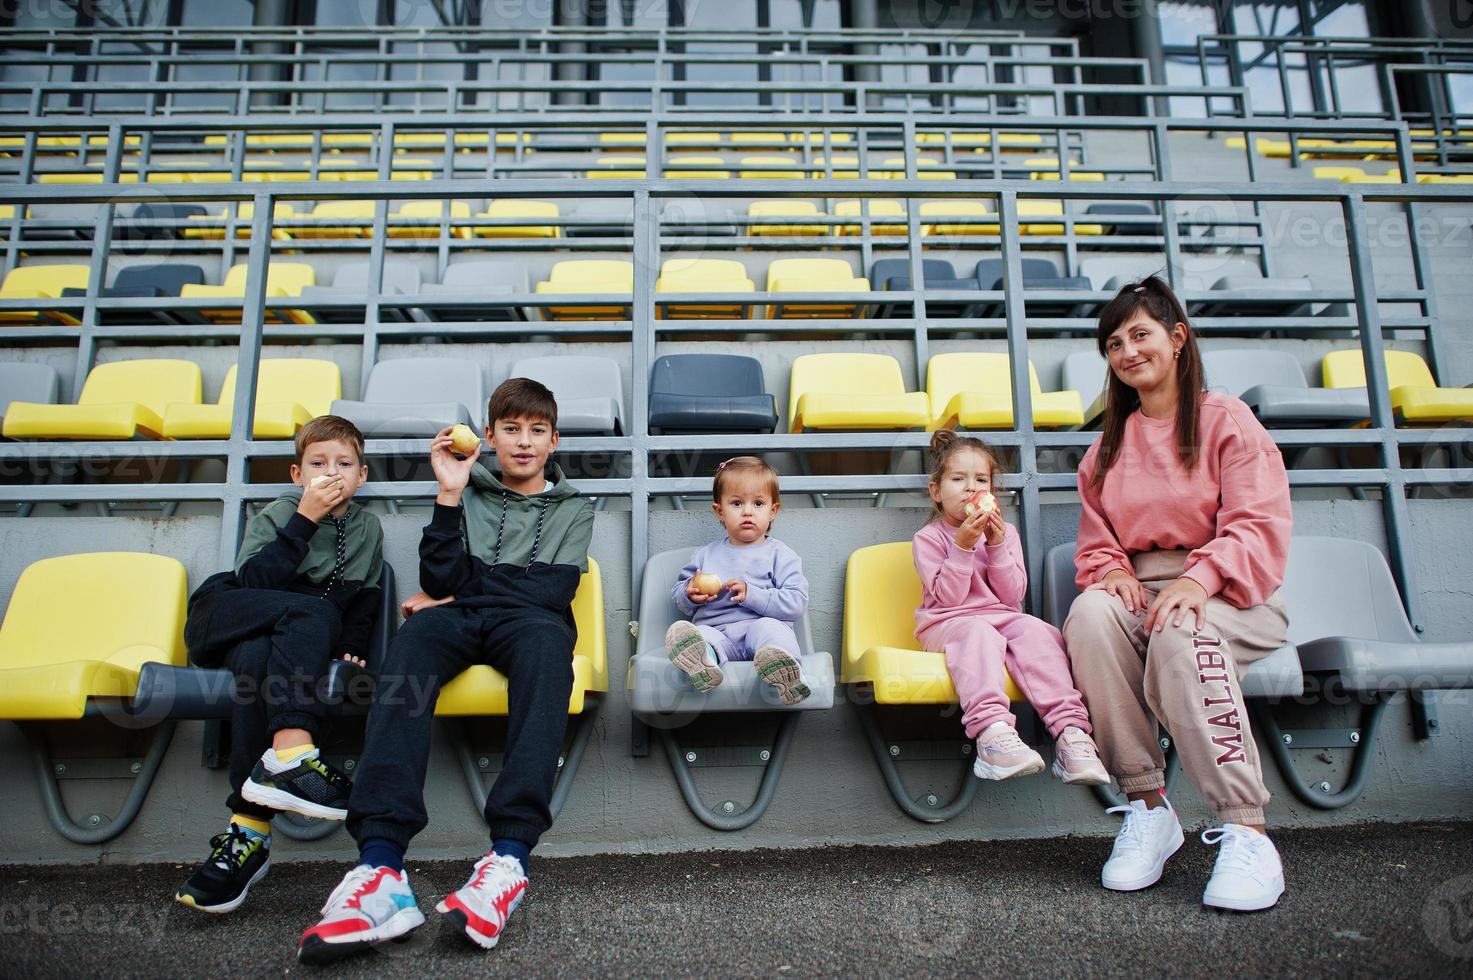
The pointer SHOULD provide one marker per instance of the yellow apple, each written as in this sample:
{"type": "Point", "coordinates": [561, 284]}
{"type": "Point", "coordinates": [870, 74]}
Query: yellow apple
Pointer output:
{"type": "Point", "coordinates": [707, 583]}
{"type": "Point", "coordinates": [464, 440]}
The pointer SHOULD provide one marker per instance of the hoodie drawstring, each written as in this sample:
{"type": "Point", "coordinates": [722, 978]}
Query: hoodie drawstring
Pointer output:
{"type": "Point", "coordinates": [536, 539]}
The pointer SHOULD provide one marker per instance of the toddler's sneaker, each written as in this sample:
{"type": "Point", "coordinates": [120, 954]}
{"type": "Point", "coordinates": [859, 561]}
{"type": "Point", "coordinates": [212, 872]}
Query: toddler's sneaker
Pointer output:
{"type": "Point", "coordinates": [368, 906]}
{"type": "Point", "coordinates": [779, 668]}
{"type": "Point", "coordinates": [307, 786]}
{"type": "Point", "coordinates": [237, 861]}
{"type": "Point", "coordinates": [1077, 761]}
{"type": "Point", "coordinates": [1248, 875]}
{"type": "Point", "coordinates": [482, 906]}
{"type": "Point", "coordinates": [1001, 754]}
{"type": "Point", "coordinates": [1146, 839]}
{"type": "Point", "coordinates": [686, 648]}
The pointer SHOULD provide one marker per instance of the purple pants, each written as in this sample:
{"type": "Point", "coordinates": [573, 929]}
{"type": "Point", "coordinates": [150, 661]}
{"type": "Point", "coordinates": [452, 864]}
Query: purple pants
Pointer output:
{"type": "Point", "coordinates": [741, 641]}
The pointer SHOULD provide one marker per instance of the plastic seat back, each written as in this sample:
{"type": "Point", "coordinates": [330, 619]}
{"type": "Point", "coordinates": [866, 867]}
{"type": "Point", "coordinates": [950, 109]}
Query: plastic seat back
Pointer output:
{"type": "Point", "coordinates": [153, 383]}
{"type": "Point", "coordinates": [1036, 272]}
{"type": "Point", "coordinates": [43, 281]}
{"type": "Point", "coordinates": [572, 377]}
{"type": "Point", "coordinates": [722, 375]}
{"type": "Point", "coordinates": [1235, 371]}
{"type": "Point", "coordinates": [948, 375]}
{"type": "Point", "coordinates": [311, 383]}
{"type": "Point", "coordinates": [1347, 369]}
{"type": "Point", "coordinates": [1085, 371]}
{"type": "Point", "coordinates": [1342, 587]}
{"type": "Point", "coordinates": [399, 276]}
{"type": "Point", "coordinates": [411, 380]}
{"type": "Point", "coordinates": [881, 595]}
{"type": "Point", "coordinates": [37, 384]}
{"type": "Point", "coordinates": [863, 374]}
{"type": "Point", "coordinates": [169, 279]}
{"type": "Point", "coordinates": [932, 270]}
{"type": "Point", "coordinates": [793, 272]}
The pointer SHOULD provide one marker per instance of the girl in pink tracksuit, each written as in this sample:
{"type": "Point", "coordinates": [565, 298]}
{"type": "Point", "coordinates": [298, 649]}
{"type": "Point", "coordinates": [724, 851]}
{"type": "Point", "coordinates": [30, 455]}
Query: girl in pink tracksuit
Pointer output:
{"type": "Point", "coordinates": [972, 586]}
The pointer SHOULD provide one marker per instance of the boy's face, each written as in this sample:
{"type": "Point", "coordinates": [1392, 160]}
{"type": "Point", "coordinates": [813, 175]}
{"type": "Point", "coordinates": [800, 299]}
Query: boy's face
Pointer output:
{"type": "Point", "coordinates": [331, 457]}
{"type": "Point", "coordinates": [522, 446]}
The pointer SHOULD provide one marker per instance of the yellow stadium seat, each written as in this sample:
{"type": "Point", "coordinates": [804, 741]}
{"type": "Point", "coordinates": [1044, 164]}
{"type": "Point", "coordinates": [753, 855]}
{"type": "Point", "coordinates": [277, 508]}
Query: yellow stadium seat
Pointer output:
{"type": "Point", "coordinates": [617, 165]}
{"type": "Point", "coordinates": [838, 160]}
{"type": "Point", "coordinates": [517, 208]}
{"type": "Point", "coordinates": [82, 178]}
{"type": "Point", "coordinates": [621, 139]}
{"type": "Point", "coordinates": [881, 595]}
{"type": "Point", "coordinates": [1416, 398]}
{"type": "Point", "coordinates": [957, 209]}
{"type": "Point", "coordinates": [41, 282]}
{"type": "Point", "coordinates": [289, 393]}
{"type": "Point", "coordinates": [1082, 176]}
{"type": "Point", "coordinates": [878, 208]}
{"type": "Point", "coordinates": [358, 214]}
{"type": "Point", "coordinates": [1445, 178]}
{"type": "Point", "coordinates": [691, 166]}
{"type": "Point", "coordinates": [760, 139]}
{"type": "Point", "coordinates": [282, 279]}
{"type": "Point", "coordinates": [704, 276]}
{"type": "Point", "coordinates": [53, 662]}
{"type": "Point", "coordinates": [589, 276]}
{"type": "Point", "coordinates": [693, 139]}
{"type": "Point", "coordinates": [775, 166]}
{"type": "Point", "coordinates": [215, 223]}
{"type": "Point", "coordinates": [120, 400]}
{"type": "Point", "coordinates": [1006, 141]}
{"type": "Point", "coordinates": [852, 391]}
{"type": "Point", "coordinates": [481, 690]}
{"type": "Point", "coordinates": [1049, 209]}
{"type": "Point", "coordinates": [814, 276]}
{"type": "Point", "coordinates": [785, 209]}
{"type": "Point", "coordinates": [975, 390]}
{"type": "Point", "coordinates": [834, 139]}
{"type": "Point", "coordinates": [421, 219]}
{"type": "Point", "coordinates": [1337, 173]}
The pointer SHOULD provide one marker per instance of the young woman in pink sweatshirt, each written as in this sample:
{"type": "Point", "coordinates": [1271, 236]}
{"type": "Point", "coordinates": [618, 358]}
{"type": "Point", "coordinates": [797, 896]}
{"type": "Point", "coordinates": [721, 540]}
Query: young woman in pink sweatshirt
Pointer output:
{"type": "Point", "coordinates": [1183, 539]}
{"type": "Point", "coordinates": [972, 582]}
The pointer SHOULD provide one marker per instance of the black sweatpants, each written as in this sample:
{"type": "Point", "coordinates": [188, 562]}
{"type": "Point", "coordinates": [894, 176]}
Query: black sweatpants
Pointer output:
{"type": "Point", "coordinates": [533, 648]}
{"type": "Point", "coordinates": [277, 644]}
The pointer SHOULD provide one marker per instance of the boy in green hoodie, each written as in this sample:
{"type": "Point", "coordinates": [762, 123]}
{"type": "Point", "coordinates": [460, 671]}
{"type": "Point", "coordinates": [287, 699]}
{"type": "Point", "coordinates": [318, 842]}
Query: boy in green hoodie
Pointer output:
{"type": "Point", "coordinates": [304, 591]}
{"type": "Point", "coordinates": [500, 562]}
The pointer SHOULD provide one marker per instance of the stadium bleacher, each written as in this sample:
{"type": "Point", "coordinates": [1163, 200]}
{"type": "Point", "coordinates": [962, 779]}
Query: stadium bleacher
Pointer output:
{"type": "Point", "coordinates": [823, 269]}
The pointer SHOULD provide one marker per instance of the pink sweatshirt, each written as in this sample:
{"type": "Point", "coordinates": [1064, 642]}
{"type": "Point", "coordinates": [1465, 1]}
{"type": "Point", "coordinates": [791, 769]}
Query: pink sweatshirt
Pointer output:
{"type": "Point", "coordinates": [1231, 511]}
{"type": "Point", "coordinates": [957, 582]}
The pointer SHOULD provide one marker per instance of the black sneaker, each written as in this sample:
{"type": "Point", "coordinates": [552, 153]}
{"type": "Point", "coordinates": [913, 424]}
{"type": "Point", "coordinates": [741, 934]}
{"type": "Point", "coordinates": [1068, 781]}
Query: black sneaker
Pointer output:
{"type": "Point", "coordinates": [237, 861]}
{"type": "Point", "coordinates": [311, 787]}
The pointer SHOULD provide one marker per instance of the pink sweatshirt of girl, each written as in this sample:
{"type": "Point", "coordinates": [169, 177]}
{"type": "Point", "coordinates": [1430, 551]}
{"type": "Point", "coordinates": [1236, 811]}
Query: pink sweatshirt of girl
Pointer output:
{"type": "Point", "coordinates": [956, 582]}
{"type": "Point", "coordinates": [1231, 511]}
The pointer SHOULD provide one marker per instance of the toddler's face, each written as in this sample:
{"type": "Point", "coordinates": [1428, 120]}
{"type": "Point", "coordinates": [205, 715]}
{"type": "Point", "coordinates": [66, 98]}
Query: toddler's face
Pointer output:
{"type": "Point", "coordinates": [746, 510]}
{"type": "Point", "coordinates": [967, 472]}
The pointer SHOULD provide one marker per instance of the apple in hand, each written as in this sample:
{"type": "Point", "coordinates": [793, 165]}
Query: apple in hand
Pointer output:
{"type": "Point", "coordinates": [981, 500]}
{"type": "Point", "coordinates": [707, 583]}
{"type": "Point", "coordinates": [318, 482]}
{"type": "Point", "coordinates": [463, 440]}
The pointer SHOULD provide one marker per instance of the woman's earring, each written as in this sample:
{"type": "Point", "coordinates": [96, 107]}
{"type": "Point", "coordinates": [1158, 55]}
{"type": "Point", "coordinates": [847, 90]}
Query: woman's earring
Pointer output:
{"type": "Point", "coordinates": [1177, 353]}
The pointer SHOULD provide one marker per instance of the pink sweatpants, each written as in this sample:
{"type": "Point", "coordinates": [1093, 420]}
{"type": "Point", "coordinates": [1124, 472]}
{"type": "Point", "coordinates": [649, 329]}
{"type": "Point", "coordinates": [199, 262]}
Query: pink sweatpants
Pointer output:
{"type": "Point", "coordinates": [978, 649]}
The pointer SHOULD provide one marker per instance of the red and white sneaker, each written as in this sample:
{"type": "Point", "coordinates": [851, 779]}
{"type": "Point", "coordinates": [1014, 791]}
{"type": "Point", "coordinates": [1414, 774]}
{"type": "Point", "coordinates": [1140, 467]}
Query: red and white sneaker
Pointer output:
{"type": "Point", "coordinates": [369, 906]}
{"type": "Point", "coordinates": [484, 903]}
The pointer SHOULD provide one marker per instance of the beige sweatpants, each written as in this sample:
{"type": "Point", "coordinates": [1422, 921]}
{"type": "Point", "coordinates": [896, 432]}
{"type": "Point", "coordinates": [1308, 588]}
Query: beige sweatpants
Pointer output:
{"type": "Point", "coordinates": [1185, 677]}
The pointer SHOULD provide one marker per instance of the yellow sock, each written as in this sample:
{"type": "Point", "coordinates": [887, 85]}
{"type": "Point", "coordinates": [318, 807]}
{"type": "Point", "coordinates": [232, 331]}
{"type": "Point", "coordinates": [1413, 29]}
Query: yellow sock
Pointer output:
{"type": "Point", "coordinates": [262, 827]}
{"type": "Point", "coordinates": [294, 753]}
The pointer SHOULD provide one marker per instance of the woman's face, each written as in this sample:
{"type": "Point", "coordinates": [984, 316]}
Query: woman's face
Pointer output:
{"type": "Point", "coordinates": [1142, 351]}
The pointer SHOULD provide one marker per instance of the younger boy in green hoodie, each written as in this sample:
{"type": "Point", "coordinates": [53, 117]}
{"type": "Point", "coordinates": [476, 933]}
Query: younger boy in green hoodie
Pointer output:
{"type": "Point", "coordinates": [304, 591]}
{"type": "Point", "coordinates": [500, 562]}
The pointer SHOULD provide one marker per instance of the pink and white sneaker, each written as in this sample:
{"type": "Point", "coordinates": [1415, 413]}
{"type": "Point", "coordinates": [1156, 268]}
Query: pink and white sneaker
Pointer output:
{"type": "Point", "coordinates": [482, 906]}
{"type": "Point", "coordinates": [1001, 754]}
{"type": "Point", "coordinates": [369, 906]}
{"type": "Point", "coordinates": [1077, 761]}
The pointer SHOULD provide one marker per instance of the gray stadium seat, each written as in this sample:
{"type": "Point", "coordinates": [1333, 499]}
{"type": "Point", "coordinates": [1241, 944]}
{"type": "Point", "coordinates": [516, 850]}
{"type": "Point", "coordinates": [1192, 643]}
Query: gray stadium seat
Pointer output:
{"type": "Point", "coordinates": [394, 405]}
{"type": "Point", "coordinates": [1085, 371]}
{"type": "Point", "coordinates": [181, 213]}
{"type": "Point", "coordinates": [24, 382]}
{"type": "Point", "coordinates": [1037, 274]}
{"type": "Point", "coordinates": [148, 280]}
{"type": "Point", "coordinates": [1272, 383]}
{"type": "Point", "coordinates": [659, 692]}
{"type": "Point", "coordinates": [589, 391]}
{"type": "Point", "coordinates": [478, 279]}
{"type": "Point", "coordinates": [615, 219]}
{"type": "Point", "coordinates": [1201, 274]}
{"type": "Point", "coordinates": [888, 274]}
{"type": "Point", "coordinates": [709, 393]}
{"type": "Point", "coordinates": [1276, 676]}
{"type": "Point", "coordinates": [350, 286]}
{"type": "Point", "coordinates": [1127, 218]}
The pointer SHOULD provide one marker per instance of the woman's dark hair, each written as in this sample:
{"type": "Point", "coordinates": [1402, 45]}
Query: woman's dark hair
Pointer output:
{"type": "Point", "coordinates": [1153, 297]}
{"type": "Point", "coordinates": [945, 444]}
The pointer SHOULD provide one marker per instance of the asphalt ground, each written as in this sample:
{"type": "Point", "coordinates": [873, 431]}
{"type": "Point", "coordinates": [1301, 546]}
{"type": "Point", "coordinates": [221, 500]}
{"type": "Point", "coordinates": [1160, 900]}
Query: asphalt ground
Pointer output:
{"type": "Point", "coordinates": [1372, 900]}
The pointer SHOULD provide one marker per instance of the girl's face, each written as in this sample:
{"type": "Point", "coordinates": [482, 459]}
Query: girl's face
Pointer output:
{"type": "Point", "coordinates": [1142, 351]}
{"type": "Point", "coordinates": [967, 472]}
{"type": "Point", "coordinates": [746, 510]}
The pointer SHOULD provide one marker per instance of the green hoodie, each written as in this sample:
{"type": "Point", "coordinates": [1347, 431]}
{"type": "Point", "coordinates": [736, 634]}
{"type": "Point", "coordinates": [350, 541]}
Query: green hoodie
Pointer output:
{"type": "Point", "coordinates": [459, 546]}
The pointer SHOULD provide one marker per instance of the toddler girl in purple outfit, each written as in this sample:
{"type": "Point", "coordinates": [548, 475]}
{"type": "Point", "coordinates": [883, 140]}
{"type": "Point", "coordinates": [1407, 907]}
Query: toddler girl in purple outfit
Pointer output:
{"type": "Point", "coordinates": [744, 592]}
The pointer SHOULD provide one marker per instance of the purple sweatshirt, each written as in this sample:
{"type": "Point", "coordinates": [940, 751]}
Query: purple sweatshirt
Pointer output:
{"type": "Point", "coordinates": [957, 582]}
{"type": "Point", "coordinates": [776, 588]}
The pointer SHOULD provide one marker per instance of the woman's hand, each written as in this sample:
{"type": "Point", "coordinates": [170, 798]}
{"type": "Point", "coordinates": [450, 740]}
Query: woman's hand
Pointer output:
{"type": "Point", "coordinates": [1125, 587]}
{"type": "Point", "coordinates": [1179, 598]}
{"type": "Point", "coordinates": [421, 600]}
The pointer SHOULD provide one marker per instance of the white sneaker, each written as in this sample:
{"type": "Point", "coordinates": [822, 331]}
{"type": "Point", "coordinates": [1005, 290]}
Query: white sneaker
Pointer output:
{"type": "Point", "coordinates": [369, 906]}
{"type": "Point", "coordinates": [1146, 839]}
{"type": "Point", "coordinates": [1248, 875]}
{"type": "Point", "coordinates": [1001, 754]}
